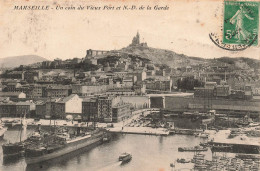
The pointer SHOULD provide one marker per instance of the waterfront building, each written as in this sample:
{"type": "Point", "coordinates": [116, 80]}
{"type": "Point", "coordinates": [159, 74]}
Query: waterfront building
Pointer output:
{"type": "Point", "coordinates": [45, 108]}
{"type": "Point", "coordinates": [120, 112]}
{"type": "Point", "coordinates": [71, 105]}
{"type": "Point", "coordinates": [105, 105]}
{"type": "Point", "coordinates": [25, 109]}
{"type": "Point", "coordinates": [7, 109]}
{"type": "Point", "coordinates": [89, 109]}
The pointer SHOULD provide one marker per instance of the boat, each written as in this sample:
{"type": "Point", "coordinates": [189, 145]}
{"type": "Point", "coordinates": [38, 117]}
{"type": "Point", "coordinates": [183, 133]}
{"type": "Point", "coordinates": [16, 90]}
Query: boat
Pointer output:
{"type": "Point", "coordinates": [204, 144]}
{"type": "Point", "coordinates": [12, 149]}
{"type": "Point", "coordinates": [125, 157]}
{"type": "Point", "coordinates": [248, 156]}
{"type": "Point", "coordinates": [201, 135]}
{"type": "Point", "coordinates": [106, 139]}
{"type": "Point", "coordinates": [196, 148]}
{"type": "Point", "coordinates": [183, 160]}
{"type": "Point", "coordinates": [56, 145]}
{"type": "Point", "coordinates": [17, 148]}
{"type": "Point", "coordinates": [2, 131]}
{"type": "Point", "coordinates": [221, 148]}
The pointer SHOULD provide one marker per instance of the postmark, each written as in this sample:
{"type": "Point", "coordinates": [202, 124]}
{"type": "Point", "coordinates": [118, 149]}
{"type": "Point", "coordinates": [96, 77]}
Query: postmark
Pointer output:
{"type": "Point", "coordinates": [240, 26]}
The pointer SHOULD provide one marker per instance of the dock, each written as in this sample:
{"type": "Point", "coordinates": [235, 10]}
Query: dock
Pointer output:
{"type": "Point", "coordinates": [140, 130]}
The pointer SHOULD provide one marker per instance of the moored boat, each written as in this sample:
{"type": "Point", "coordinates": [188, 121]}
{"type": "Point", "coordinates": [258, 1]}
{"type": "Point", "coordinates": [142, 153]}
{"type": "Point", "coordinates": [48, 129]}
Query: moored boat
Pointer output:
{"type": "Point", "coordinates": [196, 148]}
{"type": "Point", "coordinates": [183, 160]}
{"type": "Point", "coordinates": [125, 157]}
{"type": "Point", "coordinates": [17, 148]}
{"type": "Point", "coordinates": [55, 146]}
{"type": "Point", "coordinates": [201, 135]}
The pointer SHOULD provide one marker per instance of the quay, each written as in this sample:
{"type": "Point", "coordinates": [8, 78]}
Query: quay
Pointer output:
{"type": "Point", "coordinates": [140, 130]}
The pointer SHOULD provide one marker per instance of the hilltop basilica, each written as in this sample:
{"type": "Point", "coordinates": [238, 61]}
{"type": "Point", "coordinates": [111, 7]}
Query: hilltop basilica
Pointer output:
{"type": "Point", "coordinates": [136, 41]}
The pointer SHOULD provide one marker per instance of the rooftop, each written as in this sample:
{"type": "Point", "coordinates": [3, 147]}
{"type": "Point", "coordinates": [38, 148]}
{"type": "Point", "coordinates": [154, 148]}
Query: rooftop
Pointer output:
{"type": "Point", "coordinates": [4, 94]}
{"type": "Point", "coordinates": [66, 99]}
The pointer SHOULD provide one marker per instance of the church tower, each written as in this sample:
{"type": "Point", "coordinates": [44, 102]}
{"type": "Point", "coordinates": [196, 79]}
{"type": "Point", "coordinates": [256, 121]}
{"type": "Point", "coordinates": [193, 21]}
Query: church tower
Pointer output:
{"type": "Point", "coordinates": [137, 38]}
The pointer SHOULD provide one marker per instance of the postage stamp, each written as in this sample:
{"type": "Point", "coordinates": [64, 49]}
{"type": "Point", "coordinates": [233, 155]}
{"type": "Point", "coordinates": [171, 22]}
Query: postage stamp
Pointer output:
{"type": "Point", "coordinates": [241, 19]}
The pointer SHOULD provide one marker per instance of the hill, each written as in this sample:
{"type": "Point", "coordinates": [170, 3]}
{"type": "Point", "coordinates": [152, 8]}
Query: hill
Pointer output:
{"type": "Point", "coordinates": [162, 56]}
{"type": "Point", "coordinates": [16, 61]}
{"type": "Point", "coordinates": [174, 59]}
{"type": "Point", "coordinates": [241, 62]}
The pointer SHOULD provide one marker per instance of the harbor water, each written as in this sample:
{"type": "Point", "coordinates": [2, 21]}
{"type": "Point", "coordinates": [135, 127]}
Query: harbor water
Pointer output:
{"type": "Point", "coordinates": [153, 153]}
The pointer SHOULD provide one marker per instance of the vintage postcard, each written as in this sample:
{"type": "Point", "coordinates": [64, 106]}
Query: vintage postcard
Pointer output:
{"type": "Point", "coordinates": [129, 85]}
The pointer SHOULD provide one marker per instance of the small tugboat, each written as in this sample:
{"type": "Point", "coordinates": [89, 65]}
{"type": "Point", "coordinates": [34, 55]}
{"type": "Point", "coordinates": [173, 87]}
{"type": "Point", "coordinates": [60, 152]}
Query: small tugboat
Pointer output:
{"type": "Point", "coordinates": [196, 148]}
{"type": "Point", "coordinates": [125, 157]}
{"type": "Point", "coordinates": [106, 138]}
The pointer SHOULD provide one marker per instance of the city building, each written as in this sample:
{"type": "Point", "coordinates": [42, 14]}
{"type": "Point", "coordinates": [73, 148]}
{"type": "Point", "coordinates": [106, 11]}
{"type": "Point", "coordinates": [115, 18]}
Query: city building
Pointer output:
{"type": "Point", "coordinates": [91, 89]}
{"type": "Point", "coordinates": [121, 91]}
{"type": "Point", "coordinates": [223, 91]}
{"type": "Point", "coordinates": [160, 85]}
{"type": "Point", "coordinates": [58, 91]}
{"type": "Point", "coordinates": [202, 92]}
{"type": "Point", "coordinates": [121, 112]}
{"type": "Point", "coordinates": [105, 105]}
{"type": "Point", "coordinates": [26, 109]}
{"type": "Point", "coordinates": [7, 109]}
{"type": "Point", "coordinates": [12, 86]}
{"type": "Point", "coordinates": [90, 109]}
{"type": "Point", "coordinates": [45, 108]}
{"type": "Point", "coordinates": [32, 76]}
{"type": "Point", "coordinates": [71, 105]}
{"type": "Point", "coordinates": [18, 95]}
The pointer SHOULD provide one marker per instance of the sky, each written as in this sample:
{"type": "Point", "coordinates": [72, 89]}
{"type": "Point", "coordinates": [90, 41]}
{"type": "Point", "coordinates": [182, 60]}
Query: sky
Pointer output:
{"type": "Point", "coordinates": [183, 28]}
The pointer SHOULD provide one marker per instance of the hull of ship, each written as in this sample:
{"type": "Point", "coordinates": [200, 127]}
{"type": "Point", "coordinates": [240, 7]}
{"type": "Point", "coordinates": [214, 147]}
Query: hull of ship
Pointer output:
{"type": "Point", "coordinates": [68, 148]}
{"type": "Point", "coordinates": [12, 150]}
{"type": "Point", "coordinates": [236, 148]}
{"type": "Point", "coordinates": [192, 149]}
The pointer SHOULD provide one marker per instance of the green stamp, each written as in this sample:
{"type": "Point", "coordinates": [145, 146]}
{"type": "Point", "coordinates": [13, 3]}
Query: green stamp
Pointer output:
{"type": "Point", "coordinates": [241, 20]}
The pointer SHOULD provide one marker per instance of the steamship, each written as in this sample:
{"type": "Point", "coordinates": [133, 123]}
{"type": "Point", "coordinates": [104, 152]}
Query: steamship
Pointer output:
{"type": "Point", "coordinates": [60, 144]}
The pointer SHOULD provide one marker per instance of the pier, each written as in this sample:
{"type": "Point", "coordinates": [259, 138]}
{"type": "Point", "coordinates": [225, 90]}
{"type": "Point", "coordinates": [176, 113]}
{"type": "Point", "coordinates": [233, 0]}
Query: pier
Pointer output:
{"type": "Point", "coordinates": [140, 130]}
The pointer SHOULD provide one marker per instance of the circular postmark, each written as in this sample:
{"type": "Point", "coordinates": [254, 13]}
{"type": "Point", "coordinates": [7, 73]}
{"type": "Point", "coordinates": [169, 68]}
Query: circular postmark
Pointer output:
{"type": "Point", "coordinates": [217, 40]}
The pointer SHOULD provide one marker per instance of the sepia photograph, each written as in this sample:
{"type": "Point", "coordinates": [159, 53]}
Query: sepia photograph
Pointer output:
{"type": "Point", "coordinates": [129, 85]}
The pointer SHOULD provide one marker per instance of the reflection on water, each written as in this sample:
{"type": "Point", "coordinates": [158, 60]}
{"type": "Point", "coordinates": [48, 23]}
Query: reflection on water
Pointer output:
{"type": "Point", "coordinates": [149, 153]}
